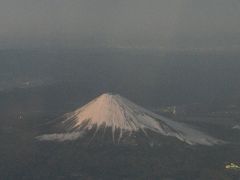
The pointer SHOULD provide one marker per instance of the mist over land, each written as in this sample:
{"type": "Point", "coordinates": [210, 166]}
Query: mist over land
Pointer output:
{"type": "Point", "coordinates": [164, 24]}
{"type": "Point", "coordinates": [151, 78]}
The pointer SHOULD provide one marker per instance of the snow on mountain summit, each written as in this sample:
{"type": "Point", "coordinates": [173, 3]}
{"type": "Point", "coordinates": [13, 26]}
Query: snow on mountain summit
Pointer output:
{"type": "Point", "coordinates": [113, 111]}
{"type": "Point", "coordinates": [110, 111]}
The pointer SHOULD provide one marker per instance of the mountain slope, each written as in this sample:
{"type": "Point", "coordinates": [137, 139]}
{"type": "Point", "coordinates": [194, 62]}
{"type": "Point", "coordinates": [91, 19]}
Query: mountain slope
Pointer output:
{"type": "Point", "coordinates": [123, 117]}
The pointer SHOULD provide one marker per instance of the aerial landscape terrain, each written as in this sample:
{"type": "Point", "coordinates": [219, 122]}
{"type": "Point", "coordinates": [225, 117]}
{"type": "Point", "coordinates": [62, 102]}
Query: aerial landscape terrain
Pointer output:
{"type": "Point", "coordinates": [119, 90]}
{"type": "Point", "coordinates": [48, 133]}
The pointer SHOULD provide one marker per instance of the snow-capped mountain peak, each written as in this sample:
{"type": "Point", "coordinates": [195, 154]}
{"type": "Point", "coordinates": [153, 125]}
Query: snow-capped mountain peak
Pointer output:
{"type": "Point", "coordinates": [121, 116]}
{"type": "Point", "coordinates": [113, 111]}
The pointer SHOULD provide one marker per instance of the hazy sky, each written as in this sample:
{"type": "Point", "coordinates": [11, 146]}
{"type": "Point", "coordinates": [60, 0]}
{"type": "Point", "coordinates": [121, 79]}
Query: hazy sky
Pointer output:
{"type": "Point", "coordinates": [120, 23]}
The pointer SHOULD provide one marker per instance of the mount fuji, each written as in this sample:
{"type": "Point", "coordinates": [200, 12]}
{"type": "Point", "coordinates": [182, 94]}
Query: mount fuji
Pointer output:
{"type": "Point", "coordinates": [122, 118]}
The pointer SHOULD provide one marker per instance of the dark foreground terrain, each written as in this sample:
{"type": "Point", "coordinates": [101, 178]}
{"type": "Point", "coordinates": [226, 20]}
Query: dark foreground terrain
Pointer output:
{"type": "Point", "coordinates": [25, 158]}
{"type": "Point", "coordinates": [22, 157]}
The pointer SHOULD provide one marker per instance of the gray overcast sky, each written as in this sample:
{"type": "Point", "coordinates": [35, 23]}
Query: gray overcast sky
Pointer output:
{"type": "Point", "coordinates": [120, 23]}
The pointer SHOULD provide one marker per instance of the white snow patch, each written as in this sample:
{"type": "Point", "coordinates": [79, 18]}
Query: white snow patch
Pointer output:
{"type": "Point", "coordinates": [236, 127]}
{"type": "Point", "coordinates": [60, 136]}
